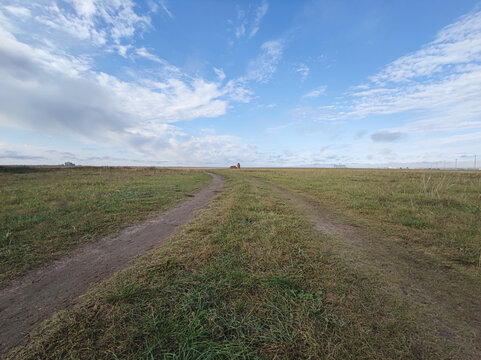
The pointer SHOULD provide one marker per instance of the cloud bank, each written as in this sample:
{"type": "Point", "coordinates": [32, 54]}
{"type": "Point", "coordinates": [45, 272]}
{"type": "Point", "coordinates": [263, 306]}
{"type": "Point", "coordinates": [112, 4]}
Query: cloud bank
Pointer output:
{"type": "Point", "coordinates": [49, 90]}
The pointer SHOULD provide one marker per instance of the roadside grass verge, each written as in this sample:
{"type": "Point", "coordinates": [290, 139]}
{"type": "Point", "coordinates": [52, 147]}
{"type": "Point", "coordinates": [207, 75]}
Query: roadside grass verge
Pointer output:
{"type": "Point", "coordinates": [248, 279]}
{"type": "Point", "coordinates": [45, 212]}
{"type": "Point", "coordinates": [438, 210]}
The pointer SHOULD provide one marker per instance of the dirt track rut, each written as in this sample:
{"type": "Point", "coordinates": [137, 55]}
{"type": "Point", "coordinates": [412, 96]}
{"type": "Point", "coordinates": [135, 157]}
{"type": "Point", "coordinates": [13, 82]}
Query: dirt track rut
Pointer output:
{"type": "Point", "coordinates": [449, 301]}
{"type": "Point", "coordinates": [36, 296]}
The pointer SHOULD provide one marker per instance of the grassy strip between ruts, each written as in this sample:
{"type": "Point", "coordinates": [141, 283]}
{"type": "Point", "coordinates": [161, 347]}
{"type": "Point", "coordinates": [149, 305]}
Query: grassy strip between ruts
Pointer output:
{"type": "Point", "coordinates": [437, 210]}
{"type": "Point", "coordinates": [45, 212]}
{"type": "Point", "coordinates": [249, 278]}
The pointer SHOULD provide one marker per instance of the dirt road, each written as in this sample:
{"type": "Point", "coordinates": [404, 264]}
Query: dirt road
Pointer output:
{"type": "Point", "coordinates": [39, 294]}
{"type": "Point", "coordinates": [447, 302]}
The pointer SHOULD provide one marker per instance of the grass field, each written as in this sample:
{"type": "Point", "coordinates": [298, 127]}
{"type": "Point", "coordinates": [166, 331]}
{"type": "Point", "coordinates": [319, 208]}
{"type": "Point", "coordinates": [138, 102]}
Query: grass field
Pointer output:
{"type": "Point", "coordinates": [252, 277]}
{"type": "Point", "coordinates": [45, 212]}
{"type": "Point", "coordinates": [438, 210]}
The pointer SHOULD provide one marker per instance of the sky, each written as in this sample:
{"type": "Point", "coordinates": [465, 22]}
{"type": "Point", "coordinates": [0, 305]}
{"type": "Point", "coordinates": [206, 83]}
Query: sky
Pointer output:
{"type": "Point", "coordinates": [263, 83]}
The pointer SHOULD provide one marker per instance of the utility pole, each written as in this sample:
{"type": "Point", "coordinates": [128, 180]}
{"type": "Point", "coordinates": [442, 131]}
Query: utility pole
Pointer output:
{"type": "Point", "coordinates": [474, 161]}
{"type": "Point", "coordinates": [456, 164]}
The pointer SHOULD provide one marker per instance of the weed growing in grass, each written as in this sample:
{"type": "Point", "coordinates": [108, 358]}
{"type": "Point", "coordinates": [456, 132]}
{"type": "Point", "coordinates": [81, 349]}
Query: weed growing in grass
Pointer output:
{"type": "Point", "coordinates": [6, 240]}
{"type": "Point", "coordinates": [415, 223]}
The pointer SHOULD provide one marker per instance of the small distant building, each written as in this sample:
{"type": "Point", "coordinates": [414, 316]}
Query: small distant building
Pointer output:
{"type": "Point", "coordinates": [68, 163]}
{"type": "Point", "coordinates": [238, 165]}
{"type": "Point", "coordinates": [339, 166]}
{"type": "Point", "coordinates": [235, 166]}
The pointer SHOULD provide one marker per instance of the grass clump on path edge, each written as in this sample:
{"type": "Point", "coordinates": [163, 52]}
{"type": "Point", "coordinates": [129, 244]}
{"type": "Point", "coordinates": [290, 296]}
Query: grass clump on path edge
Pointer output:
{"type": "Point", "coordinates": [249, 278]}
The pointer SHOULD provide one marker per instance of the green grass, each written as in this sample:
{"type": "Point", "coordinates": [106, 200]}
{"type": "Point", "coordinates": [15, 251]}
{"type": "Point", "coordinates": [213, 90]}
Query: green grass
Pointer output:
{"type": "Point", "coordinates": [437, 210]}
{"type": "Point", "coordinates": [45, 212]}
{"type": "Point", "coordinates": [249, 279]}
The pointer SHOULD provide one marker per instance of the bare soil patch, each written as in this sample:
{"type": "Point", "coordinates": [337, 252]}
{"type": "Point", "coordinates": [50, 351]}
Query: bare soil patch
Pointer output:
{"type": "Point", "coordinates": [36, 296]}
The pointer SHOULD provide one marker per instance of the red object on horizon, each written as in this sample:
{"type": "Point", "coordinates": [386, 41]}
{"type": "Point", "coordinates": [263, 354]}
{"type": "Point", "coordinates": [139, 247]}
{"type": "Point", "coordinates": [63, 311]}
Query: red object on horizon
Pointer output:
{"type": "Point", "coordinates": [235, 166]}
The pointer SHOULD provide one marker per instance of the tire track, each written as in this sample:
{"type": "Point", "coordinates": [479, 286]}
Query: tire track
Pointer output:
{"type": "Point", "coordinates": [36, 296]}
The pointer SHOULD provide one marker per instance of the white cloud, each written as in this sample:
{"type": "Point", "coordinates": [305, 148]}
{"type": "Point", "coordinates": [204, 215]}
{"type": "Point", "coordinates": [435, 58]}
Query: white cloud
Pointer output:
{"type": "Point", "coordinates": [261, 11]}
{"type": "Point", "coordinates": [47, 89]}
{"type": "Point", "coordinates": [451, 103]}
{"type": "Point", "coordinates": [237, 91]}
{"type": "Point", "coordinates": [317, 113]}
{"type": "Point", "coordinates": [164, 69]}
{"type": "Point", "coordinates": [146, 54]}
{"type": "Point", "coordinates": [464, 138]}
{"type": "Point", "coordinates": [167, 68]}
{"type": "Point", "coordinates": [303, 70]}
{"type": "Point", "coordinates": [241, 27]}
{"type": "Point", "coordinates": [19, 11]}
{"type": "Point", "coordinates": [207, 131]}
{"type": "Point", "coordinates": [456, 44]}
{"type": "Point", "coordinates": [123, 49]}
{"type": "Point", "coordinates": [315, 92]}
{"type": "Point", "coordinates": [205, 150]}
{"type": "Point", "coordinates": [167, 11]}
{"type": "Point", "coordinates": [248, 21]}
{"type": "Point", "coordinates": [266, 106]}
{"type": "Point", "coordinates": [265, 65]}
{"type": "Point", "coordinates": [280, 127]}
{"type": "Point", "coordinates": [220, 74]}
{"type": "Point", "coordinates": [438, 87]}
{"type": "Point", "coordinates": [240, 31]}
{"type": "Point", "coordinates": [98, 22]}
{"type": "Point", "coordinates": [31, 155]}
{"type": "Point", "coordinates": [61, 95]}
{"type": "Point", "coordinates": [208, 149]}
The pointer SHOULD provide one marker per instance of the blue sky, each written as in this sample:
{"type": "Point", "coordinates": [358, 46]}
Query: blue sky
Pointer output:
{"type": "Point", "coordinates": [263, 83]}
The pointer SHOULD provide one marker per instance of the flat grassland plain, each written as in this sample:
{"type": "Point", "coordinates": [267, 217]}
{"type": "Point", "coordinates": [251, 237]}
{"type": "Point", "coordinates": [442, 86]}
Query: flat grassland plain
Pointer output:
{"type": "Point", "coordinates": [45, 212]}
{"type": "Point", "coordinates": [293, 264]}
